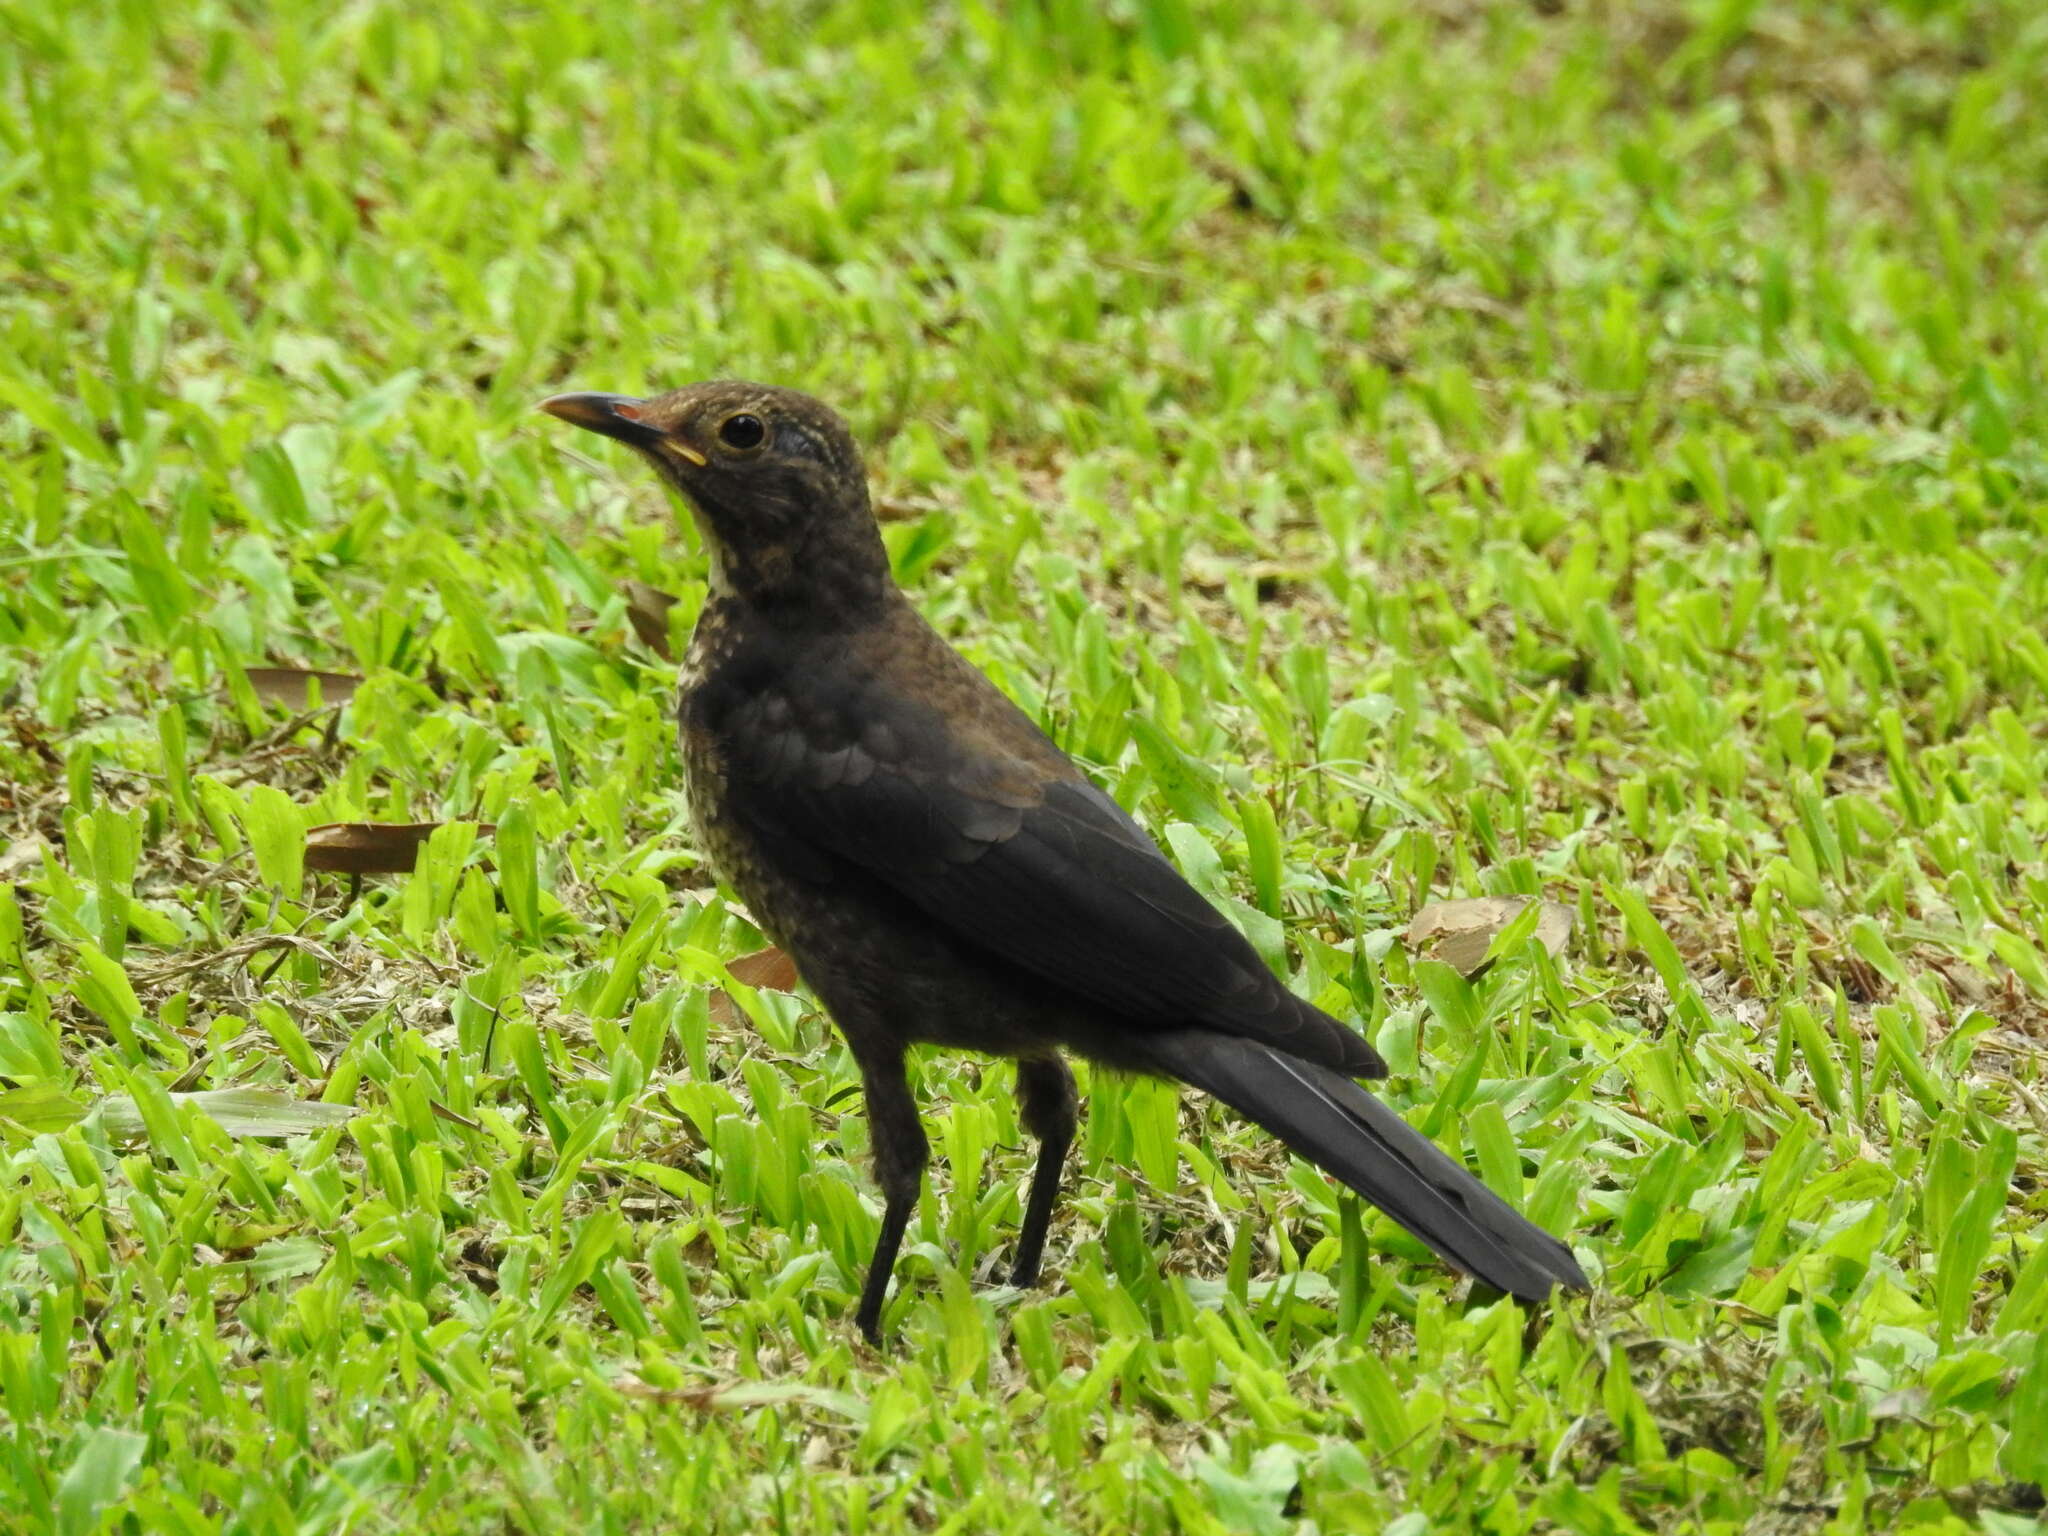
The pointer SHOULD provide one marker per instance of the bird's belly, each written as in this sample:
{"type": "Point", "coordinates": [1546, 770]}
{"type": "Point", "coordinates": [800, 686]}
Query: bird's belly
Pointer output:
{"type": "Point", "coordinates": [868, 954]}
{"type": "Point", "coordinates": [772, 897]}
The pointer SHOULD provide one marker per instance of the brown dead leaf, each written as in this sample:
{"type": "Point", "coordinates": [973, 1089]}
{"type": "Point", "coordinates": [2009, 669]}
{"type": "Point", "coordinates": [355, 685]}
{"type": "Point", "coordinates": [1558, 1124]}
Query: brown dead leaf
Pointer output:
{"type": "Point", "coordinates": [288, 685]}
{"type": "Point", "coordinates": [904, 509]}
{"type": "Point", "coordinates": [371, 847]}
{"type": "Point", "coordinates": [25, 729]}
{"type": "Point", "coordinates": [769, 968]}
{"type": "Point", "coordinates": [647, 610]}
{"type": "Point", "coordinates": [738, 1396]}
{"type": "Point", "coordinates": [1458, 932]}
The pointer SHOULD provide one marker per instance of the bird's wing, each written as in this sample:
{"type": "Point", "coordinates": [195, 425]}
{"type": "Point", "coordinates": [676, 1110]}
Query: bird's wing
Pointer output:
{"type": "Point", "coordinates": [976, 818]}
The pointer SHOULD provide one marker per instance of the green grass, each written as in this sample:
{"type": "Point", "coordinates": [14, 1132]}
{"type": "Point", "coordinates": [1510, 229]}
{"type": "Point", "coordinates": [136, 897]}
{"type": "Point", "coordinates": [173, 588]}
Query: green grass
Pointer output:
{"type": "Point", "coordinates": [1408, 451]}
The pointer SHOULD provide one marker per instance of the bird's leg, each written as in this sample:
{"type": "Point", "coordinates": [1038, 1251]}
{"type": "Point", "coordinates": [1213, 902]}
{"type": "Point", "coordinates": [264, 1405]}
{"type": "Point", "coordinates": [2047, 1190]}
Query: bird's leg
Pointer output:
{"type": "Point", "coordinates": [901, 1151]}
{"type": "Point", "coordinates": [1045, 1091]}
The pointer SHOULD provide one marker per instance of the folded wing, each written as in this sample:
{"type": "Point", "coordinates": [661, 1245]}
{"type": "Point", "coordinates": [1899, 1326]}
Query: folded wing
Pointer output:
{"type": "Point", "coordinates": [987, 828]}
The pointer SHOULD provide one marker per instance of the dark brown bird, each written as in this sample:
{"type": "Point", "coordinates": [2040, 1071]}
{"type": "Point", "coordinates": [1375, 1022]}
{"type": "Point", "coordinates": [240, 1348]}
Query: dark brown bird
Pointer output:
{"type": "Point", "coordinates": [941, 872]}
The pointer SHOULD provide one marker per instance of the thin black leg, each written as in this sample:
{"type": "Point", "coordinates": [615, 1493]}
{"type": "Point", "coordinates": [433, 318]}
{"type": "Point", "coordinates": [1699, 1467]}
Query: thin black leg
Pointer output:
{"type": "Point", "coordinates": [901, 1152]}
{"type": "Point", "coordinates": [1050, 1112]}
{"type": "Point", "coordinates": [895, 1217]}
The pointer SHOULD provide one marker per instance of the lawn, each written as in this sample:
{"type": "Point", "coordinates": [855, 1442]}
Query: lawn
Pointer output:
{"type": "Point", "coordinates": [1407, 452]}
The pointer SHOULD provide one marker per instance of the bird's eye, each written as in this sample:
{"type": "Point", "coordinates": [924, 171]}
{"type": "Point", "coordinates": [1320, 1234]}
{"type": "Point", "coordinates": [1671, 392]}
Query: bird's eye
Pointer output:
{"type": "Point", "coordinates": [742, 432]}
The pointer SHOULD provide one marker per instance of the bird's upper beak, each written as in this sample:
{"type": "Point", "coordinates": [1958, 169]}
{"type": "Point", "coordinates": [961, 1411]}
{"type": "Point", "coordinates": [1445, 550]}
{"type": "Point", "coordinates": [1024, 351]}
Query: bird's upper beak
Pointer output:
{"type": "Point", "coordinates": [613, 415]}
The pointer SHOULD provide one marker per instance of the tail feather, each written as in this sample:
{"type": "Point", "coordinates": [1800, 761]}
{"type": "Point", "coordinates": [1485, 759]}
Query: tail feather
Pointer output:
{"type": "Point", "coordinates": [1348, 1133]}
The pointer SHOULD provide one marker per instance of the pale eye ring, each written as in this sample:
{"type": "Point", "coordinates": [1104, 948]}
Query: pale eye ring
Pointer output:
{"type": "Point", "coordinates": [743, 432]}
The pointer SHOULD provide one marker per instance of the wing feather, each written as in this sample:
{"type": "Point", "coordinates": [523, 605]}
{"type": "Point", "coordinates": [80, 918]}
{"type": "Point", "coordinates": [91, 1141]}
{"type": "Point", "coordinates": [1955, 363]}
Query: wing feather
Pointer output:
{"type": "Point", "coordinates": [1007, 845]}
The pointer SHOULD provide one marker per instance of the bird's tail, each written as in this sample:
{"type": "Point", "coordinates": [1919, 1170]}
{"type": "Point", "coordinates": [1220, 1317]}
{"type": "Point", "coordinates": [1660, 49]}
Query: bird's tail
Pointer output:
{"type": "Point", "coordinates": [1348, 1133]}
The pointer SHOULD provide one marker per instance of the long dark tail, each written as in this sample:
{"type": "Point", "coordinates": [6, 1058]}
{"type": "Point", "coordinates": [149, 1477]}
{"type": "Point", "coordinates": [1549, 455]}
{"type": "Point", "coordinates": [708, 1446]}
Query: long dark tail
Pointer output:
{"type": "Point", "coordinates": [1348, 1133]}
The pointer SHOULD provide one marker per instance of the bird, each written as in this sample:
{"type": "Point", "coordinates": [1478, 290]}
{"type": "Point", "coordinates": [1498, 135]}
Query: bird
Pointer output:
{"type": "Point", "coordinates": [942, 874]}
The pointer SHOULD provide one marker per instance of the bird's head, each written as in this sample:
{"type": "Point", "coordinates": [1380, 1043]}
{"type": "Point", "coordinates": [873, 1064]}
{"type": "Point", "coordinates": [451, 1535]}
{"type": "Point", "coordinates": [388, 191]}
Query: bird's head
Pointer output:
{"type": "Point", "coordinates": [773, 480]}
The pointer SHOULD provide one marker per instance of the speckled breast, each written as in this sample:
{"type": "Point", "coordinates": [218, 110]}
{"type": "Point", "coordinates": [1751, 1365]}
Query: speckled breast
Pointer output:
{"type": "Point", "coordinates": [733, 852]}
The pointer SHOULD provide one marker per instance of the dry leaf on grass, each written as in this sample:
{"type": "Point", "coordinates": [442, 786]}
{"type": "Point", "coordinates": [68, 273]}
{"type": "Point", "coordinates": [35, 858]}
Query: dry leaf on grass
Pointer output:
{"type": "Point", "coordinates": [25, 854]}
{"type": "Point", "coordinates": [289, 685]}
{"type": "Point", "coordinates": [238, 1111]}
{"type": "Point", "coordinates": [738, 1396]}
{"type": "Point", "coordinates": [769, 968]}
{"type": "Point", "coordinates": [647, 610]}
{"type": "Point", "coordinates": [1459, 932]}
{"type": "Point", "coordinates": [371, 847]}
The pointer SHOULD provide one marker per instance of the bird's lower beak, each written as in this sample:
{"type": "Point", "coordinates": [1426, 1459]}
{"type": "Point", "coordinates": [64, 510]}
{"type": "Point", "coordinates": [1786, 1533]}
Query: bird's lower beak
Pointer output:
{"type": "Point", "coordinates": [613, 415]}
